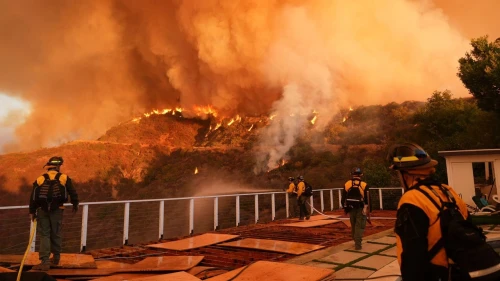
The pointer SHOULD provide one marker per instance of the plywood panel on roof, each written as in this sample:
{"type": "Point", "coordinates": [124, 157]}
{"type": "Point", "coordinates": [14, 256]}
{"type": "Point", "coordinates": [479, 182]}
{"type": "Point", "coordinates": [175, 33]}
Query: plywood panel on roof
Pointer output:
{"type": "Point", "coordinates": [124, 277]}
{"type": "Point", "coordinates": [3, 269]}
{"type": "Point", "coordinates": [194, 242]}
{"type": "Point", "coordinates": [112, 264]}
{"type": "Point", "coordinates": [310, 223]}
{"type": "Point", "coordinates": [168, 263]}
{"type": "Point", "coordinates": [150, 264]}
{"type": "Point", "coordinates": [319, 217]}
{"type": "Point", "coordinates": [275, 271]}
{"type": "Point", "coordinates": [177, 276]}
{"type": "Point", "coordinates": [293, 248]}
{"type": "Point", "coordinates": [67, 260]}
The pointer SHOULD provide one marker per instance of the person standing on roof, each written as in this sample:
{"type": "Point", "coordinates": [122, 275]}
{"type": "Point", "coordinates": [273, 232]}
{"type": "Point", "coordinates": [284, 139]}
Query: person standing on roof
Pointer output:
{"type": "Point", "coordinates": [50, 192]}
{"type": "Point", "coordinates": [355, 202]}
{"type": "Point", "coordinates": [292, 197]}
{"type": "Point", "coordinates": [434, 235]}
{"type": "Point", "coordinates": [302, 199]}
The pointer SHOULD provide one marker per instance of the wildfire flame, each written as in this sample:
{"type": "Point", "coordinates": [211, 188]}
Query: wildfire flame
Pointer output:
{"type": "Point", "coordinates": [207, 110]}
{"type": "Point", "coordinates": [272, 117]}
{"type": "Point", "coordinates": [196, 170]}
{"type": "Point", "coordinates": [136, 120]}
{"type": "Point", "coordinates": [343, 120]}
{"type": "Point", "coordinates": [230, 122]}
{"type": "Point", "coordinates": [217, 126]}
{"type": "Point", "coordinates": [350, 108]}
{"type": "Point", "coordinates": [238, 118]}
{"type": "Point", "coordinates": [314, 119]}
{"type": "Point", "coordinates": [250, 128]}
{"type": "Point", "coordinates": [315, 112]}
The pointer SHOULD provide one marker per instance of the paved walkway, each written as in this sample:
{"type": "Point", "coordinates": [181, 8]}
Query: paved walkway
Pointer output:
{"type": "Point", "coordinates": [378, 257]}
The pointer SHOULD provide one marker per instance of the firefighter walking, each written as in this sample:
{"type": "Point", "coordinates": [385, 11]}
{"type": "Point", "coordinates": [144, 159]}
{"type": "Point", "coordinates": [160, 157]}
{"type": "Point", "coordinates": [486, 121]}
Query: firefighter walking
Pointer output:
{"type": "Point", "coordinates": [355, 202]}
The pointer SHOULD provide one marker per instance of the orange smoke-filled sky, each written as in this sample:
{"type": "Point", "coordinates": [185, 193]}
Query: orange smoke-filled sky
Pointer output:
{"type": "Point", "coordinates": [85, 66]}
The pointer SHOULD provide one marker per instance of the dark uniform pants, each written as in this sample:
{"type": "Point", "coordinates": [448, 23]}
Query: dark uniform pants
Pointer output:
{"type": "Point", "coordinates": [302, 206]}
{"type": "Point", "coordinates": [49, 228]}
{"type": "Point", "coordinates": [358, 223]}
{"type": "Point", "coordinates": [293, 206]}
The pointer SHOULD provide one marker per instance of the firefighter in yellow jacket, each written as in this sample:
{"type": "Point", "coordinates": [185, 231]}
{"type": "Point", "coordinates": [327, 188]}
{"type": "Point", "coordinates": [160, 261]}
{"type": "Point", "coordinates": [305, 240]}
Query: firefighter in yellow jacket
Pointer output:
{"type": "Point", "coordinates": [302, 199]}
{"type": "Point", "coordinates": [292, 197]}
{"type": "Point", "coordinates": [50, 192]}
{"type": "Point", "coordinates": [418, 227]}
{"type": "Point", "coordinates": [355, 202]}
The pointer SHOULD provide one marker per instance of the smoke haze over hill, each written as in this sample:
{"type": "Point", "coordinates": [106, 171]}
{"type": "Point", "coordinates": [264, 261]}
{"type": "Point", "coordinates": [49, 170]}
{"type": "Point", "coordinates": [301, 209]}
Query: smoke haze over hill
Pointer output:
{"type": "Point", "coordinates": [86, 66]}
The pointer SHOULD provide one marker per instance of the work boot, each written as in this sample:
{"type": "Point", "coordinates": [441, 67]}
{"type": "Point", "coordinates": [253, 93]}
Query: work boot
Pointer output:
{"type": "Point", "coordinates": [43, 266]}
{"type": "Point", "coordinates": [358, 247]}
{"type": "Point", "coordinates": [308, 217]}
{"type": "Point", "coordinates": [54, 261]}
{"type": "Point", "coordinates": [301, 218]}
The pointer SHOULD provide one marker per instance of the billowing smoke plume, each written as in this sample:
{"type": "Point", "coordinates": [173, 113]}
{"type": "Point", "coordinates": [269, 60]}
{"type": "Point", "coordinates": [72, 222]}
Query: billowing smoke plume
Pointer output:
{"type": "Point", "coordinates": [87, 65]}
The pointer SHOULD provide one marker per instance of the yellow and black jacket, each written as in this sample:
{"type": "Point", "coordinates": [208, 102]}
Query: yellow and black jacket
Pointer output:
{"type": "Point", "coordinates": [418, 229]}
{"type": "Point", "coordinates": [291, 188]}
{"type": "Point", "coordinates": [63, 179]}
{"type": "Point", "coordinates": [363, 188]}
{"type": "Point", "coordinates": [301, 187]}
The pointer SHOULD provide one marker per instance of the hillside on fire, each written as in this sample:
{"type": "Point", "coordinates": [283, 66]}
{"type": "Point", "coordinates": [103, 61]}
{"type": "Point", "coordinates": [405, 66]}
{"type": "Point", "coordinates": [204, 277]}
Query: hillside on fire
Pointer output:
{"type": "Point", "coordinates": [164, 154]}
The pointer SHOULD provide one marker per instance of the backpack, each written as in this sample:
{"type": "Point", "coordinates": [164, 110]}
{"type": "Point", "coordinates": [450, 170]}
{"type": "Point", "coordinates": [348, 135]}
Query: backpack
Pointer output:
{"type": "Point", "coordinates": [355, 194]}
{"type": "Point", "coordinates": [50, 194]}
{"type": "Point", "coordinates": [308, 191]}
{"type": "Point", "coordinates": [464, 243]}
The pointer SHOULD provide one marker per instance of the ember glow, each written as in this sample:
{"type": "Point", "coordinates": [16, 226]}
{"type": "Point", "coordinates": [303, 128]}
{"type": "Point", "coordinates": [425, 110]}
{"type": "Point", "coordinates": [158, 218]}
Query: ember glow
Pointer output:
{"type": "Point", "coordinates": [314, 119]}
{"type": "Point", "coordinates": [196, 170]}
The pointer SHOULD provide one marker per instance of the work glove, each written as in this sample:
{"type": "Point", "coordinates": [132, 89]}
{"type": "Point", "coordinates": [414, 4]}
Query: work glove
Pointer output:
{"type": "Point", "coordinates": [365, 208]}
{"type": "Point", "coordinates": [75, 208]}
{"type": "Point", "coordinates": [33, 217]}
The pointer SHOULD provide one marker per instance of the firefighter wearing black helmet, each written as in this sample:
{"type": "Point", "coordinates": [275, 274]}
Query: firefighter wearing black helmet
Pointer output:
{"type": "Point", "coordinates": [355, 202]}
{"type": "Point", "coordinates": [431, 221]}
{"type": "Point", "coordinates": [50, 192]}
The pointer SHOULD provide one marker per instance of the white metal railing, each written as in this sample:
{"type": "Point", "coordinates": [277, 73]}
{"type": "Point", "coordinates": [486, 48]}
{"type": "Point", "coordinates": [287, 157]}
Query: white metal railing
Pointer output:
{"type": "Point", "coordinates": [126, 215]}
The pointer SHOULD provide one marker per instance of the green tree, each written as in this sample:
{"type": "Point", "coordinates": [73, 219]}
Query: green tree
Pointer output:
{"type": "Point", "coordinates": [480, 72]}
{"type": "Point", "coordinates": [445, 123]}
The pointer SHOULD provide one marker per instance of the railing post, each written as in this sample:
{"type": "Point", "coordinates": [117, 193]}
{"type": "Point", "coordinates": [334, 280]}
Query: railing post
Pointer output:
{"type": "Point", "coordinates": [402, 191]}
{"type": "Point", "coordinates": [237, 210]}
{"type": "Point", "coordinates": [322, 202]}
{"type": "Point", "coordinates": [85, 218]}
{"type": "Point", "coordinates": [331, 200]}
{"type": "Point", "coordinates": [256, 208]}
{"type": "Point", "coordinates": [126, 218]}
{"type": "Point", "coordinates": [287, 205]}
{"type": "Point", "coordinates": [161, 220]}
{"type": "Point", "coordinates": [380, 198]}
{"type": "Point", "coordinates": [191, 216]}
{"type": "Point", "coordinates": [32, 247]}
{"type": "Point", "coordinates": [340, 199]}
{"type": "Point", "coordinates": [216, 213]}
{"type": "Point", "coordinates": [273, 210]}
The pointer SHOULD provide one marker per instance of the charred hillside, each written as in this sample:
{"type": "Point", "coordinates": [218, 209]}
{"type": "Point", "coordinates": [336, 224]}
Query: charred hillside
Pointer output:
{"type": "Point", "coordinates": [167, 155]}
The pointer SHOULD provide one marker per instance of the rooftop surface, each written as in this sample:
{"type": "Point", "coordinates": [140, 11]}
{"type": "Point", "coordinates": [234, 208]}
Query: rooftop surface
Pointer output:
{"type": "Point", "coordinates": [335, 253]}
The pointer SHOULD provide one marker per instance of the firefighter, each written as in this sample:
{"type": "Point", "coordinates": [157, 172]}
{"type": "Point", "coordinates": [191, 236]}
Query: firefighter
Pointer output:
{"type": "Point", "coordinates": [50, 192]}
{"type": "Point", "coordinates": [418, 226]}
{"type": "Point", "coordinates": [302, 199]}
{"type": "Point", "coordinates": [292, 197]}
{"type": "Point", "coordinates": [355, 202]}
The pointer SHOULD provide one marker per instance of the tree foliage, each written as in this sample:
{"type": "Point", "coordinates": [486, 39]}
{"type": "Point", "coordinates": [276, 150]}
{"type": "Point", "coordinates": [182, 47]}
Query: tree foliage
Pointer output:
{"type": "Point", "coordinates": [480, 72]}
